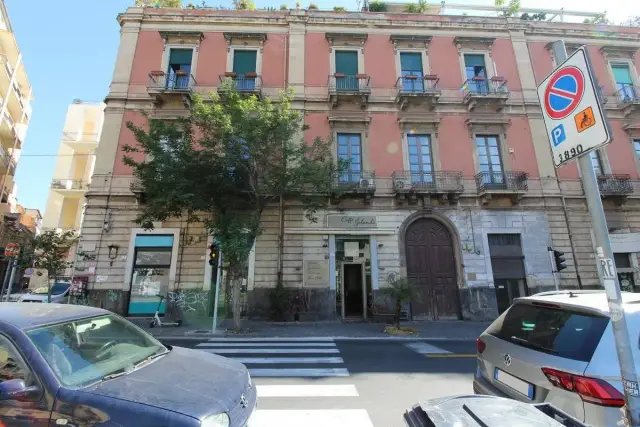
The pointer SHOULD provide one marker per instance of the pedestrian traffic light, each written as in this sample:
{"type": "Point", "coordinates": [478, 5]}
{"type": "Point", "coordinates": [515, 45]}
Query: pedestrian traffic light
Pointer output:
{"type": "Point", "coordinates": [213, 254]}
{"type": "Point", "coordinates": [561, 262]}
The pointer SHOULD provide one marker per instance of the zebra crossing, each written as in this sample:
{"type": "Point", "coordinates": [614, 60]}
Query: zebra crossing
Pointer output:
{"type": "Point", "coordinates": [295, 403]}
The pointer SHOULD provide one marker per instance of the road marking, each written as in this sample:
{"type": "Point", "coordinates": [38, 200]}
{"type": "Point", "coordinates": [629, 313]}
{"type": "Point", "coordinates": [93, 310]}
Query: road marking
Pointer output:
{"type": "Point", "coordinates": [449, 356]}
{"type": "Point", "coordinates": [292, 360]}
{"type": "Point", "coordinates": [267, 344]}
{"type": "Point", "coordinates": [274, 339]}
{"type": "Point", "coordinates": [311, 418]}
{"type": "Point", "coordinates": [307, 390]}
{"type": "Point", "coordinates": [269, 350]}
{"type": "Point", "coordinates": [424, 348]}
{"type": "Point", "coordinates": [299, 372]}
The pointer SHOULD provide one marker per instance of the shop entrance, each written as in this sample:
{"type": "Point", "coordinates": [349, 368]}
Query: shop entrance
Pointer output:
{"type": "Point", "coordinates": [353, 290]}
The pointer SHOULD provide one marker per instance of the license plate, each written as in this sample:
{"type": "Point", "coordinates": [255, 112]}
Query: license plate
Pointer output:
{"type": "Point", "coordinates": [515, 383]}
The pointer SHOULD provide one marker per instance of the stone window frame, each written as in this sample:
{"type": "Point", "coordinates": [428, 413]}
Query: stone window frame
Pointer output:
{"type": "Point", "coordinates": [476, 46]}
{"type": "Point", "coordinates": [346, 42]}
{"type": "Point", "coordinates": [420, 126]}
{"type": "Point", "coordinates": [623, 61]}
{"type": "Point", "coordinates": [633, 137]}
{"type": "Point", "coordinates": [352, 125]}
{"type": "Point", "coordinates": [181, 40]}
{"type": "Point", "coordinates": [411, 44]}
{"type": "Point", "coordinates": [245, 41]}
{"type": "Point", "coordinates": [604, 162]}
{"type": "Point", "coordinates": [498, 128]}
{"type": "Point", "coordinates": [487, 252]}
{"type": "Point", "coordinates": [128, 270]}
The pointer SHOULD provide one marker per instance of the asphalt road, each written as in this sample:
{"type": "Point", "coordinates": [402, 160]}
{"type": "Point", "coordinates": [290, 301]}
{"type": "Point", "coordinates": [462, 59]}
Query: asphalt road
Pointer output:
{"type": "Point", "coordinates": [346, 383]}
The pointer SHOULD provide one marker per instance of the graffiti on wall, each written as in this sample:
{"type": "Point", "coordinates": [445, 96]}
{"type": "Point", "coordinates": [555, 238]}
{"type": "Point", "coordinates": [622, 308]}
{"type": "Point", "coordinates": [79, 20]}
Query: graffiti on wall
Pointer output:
{"type": "Point", "coordinates": [113, 295]}
{"type": "Point", "coordinates": [190, 301]}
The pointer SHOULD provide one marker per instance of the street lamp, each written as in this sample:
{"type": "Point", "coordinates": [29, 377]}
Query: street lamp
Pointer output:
{"type": "Point", "coordinates": [113, 253]}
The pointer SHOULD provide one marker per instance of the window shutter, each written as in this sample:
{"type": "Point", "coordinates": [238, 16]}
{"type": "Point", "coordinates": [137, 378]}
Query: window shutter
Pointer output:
{"type": "Point", "coordinates": [180, 56]}
{"type": "Point", "coordinates": [244, 61]}
{"type": "Point", "coordinates": [621, 74]}
{"type": "Point", "coordinates": [474, 61]}
{"type": "Point", "coordinates": [347, 62]}
{"type": "Point", "coordinates": [411, 62]}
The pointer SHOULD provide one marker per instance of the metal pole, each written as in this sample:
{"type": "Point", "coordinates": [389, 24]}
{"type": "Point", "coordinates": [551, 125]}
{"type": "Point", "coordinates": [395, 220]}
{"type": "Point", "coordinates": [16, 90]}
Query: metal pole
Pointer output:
{"type": "Point", "coordinates": [215, 302]}
{"type": "Point", "coordinates": [13, 273]}
{"type": "Point", "coordinates": [610, 282]}
{"type": "Point", "coordinates": [553, 270]}
{"type": "Point", "coordinates": [7, 273]}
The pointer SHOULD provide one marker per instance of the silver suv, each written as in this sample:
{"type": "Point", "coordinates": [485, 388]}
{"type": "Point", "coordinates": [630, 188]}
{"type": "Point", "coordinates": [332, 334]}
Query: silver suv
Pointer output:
{"type": "Point", "coordinates": [558, 347]}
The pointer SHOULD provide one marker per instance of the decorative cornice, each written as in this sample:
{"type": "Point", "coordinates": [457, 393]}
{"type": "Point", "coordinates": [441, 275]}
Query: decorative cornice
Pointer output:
{"type": "Point", "coordinates": [620, 52]}
{"type": "Point", "coordinates": [462, 41]}
{"type": "Point", "coordinates": [337, 39]}
{"type": "Point", "coordinates": [230, 36]}
{"type": "Point", "coordinates": [483, 124]}
{"type": "Point", "coordinates": [199, 35]}
{"type": "Point", "coordinates": [363, 120]}
{"type": "Point", "coordinates": [404, 41]}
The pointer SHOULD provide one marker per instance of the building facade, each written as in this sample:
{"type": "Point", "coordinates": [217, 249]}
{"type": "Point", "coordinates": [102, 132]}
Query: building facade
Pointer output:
{"type": "Point", "coordinates": [450, 180]}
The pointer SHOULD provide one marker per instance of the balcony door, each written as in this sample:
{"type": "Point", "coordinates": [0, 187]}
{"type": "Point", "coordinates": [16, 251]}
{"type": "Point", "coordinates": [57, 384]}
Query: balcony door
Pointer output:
{"type": "Point", "coordinates": [244, 65]}
{"type": "Point", "coordinates": [475, 68]}
{"type": "Point", "coordinates": [179, 72]}
{"type": "Point", "coordinates": [624, 83]}
{"type": "Point", "coordinates": [347, 68]}
{"type": "Point", "coordinates": [412, 73]}
{"type": "Point", "coordinates": [420, 162]}
{"type": "Point", "coordinates": [350, 157]}
{"type": "Point", "coordinates": [490, 161]}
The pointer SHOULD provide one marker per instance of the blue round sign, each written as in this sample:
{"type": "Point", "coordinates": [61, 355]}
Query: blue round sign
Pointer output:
{"type": "Point", "coordinates": [564, 92]}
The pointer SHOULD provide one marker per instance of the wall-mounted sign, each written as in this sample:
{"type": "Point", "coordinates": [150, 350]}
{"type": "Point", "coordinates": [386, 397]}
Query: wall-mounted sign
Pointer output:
{"type": "Point", "coordinates": [316, 273]}
{"type": "Point", "coordinates": [352, 249]}
{"type": "Point", "coordinates": [352, 221]}
{"type": "Point", "coordinates": [625, 242]}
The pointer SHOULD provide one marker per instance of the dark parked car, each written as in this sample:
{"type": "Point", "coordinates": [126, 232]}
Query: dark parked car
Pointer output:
{"type": "Point", "coordinates": [76, 365]}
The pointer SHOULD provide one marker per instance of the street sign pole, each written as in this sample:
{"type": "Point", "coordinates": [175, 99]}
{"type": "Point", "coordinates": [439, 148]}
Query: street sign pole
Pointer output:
{"type": "Point", "coordinates": [6, 278]}
{"type": "Point", "coordinates": [607, 273]}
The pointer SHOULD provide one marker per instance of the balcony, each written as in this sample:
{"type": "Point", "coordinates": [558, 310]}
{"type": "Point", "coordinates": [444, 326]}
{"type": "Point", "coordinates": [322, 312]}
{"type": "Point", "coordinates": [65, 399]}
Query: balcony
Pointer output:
{"type": "Point", "coordinates": [628, 97]}
{"type": "Point", "coordinates": [615, 187]}
{"type": "Point", "coordinates": [492, 93]}
{"type": "Point", "coordinates": [347, 88]}
{"type": "Point", "coordinates": [7, 130]}
{"type": "Point", "coordinates": [167, 87]}
{"type": "Point", "coordinates": [248, 84]}
{"type": "Point", "coordinates": [354, 182]}
{"type": "Point", "coordinates": [510, 184]}
{"type": "Point", "coordinates": [83, 143]}
{"type": "Point", "coordinates": [418, 91]}
{"type": "Point", "coordinates": [70, 187]}
{"type": "Point", "coordinates": [407, 184]}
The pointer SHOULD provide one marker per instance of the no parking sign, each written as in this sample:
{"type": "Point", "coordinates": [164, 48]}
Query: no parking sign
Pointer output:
{"type": "Point", "coordinates": [572, 110]}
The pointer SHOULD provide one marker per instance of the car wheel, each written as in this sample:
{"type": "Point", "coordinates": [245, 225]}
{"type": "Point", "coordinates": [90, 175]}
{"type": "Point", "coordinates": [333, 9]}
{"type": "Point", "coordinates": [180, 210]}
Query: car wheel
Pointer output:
{"type": "Point", "coordinates": [178, 322]}
{"type": "Point", "coordinates": [153, 323]}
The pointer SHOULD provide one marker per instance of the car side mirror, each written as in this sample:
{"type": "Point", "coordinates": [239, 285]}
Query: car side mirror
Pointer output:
{"type": "Point", "coordinates": [17, 389]}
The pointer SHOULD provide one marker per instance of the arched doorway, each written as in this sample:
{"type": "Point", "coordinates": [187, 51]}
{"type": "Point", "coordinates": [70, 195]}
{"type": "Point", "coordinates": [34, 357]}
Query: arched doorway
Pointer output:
{"type": "Point", "coordinates": [430, 262]}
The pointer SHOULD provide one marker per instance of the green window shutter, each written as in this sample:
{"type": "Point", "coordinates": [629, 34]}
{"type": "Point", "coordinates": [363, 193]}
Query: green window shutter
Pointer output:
{"type": "Point", "coordinates": [411, 62]}
{"type": "Point", "coordinates": [244, 61]}
{"type": "Point", "coordinates": [474, 60]}
{"type": "Point", "coordinates": [180, 56]}
{"type": "Point", "coordinates": [621, 74]}
{"type": "Point", "coordinates": [347, 62]}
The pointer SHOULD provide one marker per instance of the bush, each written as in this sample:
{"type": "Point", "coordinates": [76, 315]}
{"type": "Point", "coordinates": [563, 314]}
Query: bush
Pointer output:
{"type": "Point", "coordinates": [284, 7]}
{"type": "Point", "coordinates": [279, 302]}
{"type": "Point", "coordinates": [420, 7]}
{"type": "Point", "coordinates": [339, 9]}
{"type": "Point", "coordinates": [377, 6]}
{"type": "Point", "coordinates": [313, 6]}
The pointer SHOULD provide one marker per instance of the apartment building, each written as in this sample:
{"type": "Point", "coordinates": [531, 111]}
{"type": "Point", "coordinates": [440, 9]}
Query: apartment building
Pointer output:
{"type": "Point", "coordinates": [74, 167]}
{"type": "Point", "coordinates": [450, 179]}
{"type": "Point", "coordinates": [15, 111]}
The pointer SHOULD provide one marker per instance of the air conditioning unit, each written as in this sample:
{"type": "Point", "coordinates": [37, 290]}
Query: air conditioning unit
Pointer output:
{"type": "Point", "coordinates": [365, 183]}
{"type": "Point", "coordinates": [402, 184]}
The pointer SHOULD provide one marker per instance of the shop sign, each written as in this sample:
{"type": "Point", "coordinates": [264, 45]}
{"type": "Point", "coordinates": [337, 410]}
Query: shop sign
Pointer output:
{"type": "Point", "coordinates": [316, 273]}
{"type": "Point", "coordinates": [352, 221]}
{"type": "Point", "coordinates": [352, 249]}
{"type": "Point", "coordinates": [625, 242]}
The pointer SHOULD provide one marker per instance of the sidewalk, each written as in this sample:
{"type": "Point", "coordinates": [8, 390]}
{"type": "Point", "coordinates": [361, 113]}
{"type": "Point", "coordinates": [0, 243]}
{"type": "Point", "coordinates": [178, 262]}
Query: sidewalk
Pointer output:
{"type": "Point", "coordinates": [441, 330]}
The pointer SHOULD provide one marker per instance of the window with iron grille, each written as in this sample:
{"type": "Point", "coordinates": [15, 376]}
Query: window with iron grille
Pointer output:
{"type": "Point", "coordinates": [420, 161]}
{"type": "Point", "coordinates": [596, 162]}
{"type": "Point", "coordinates": [489, 158]}
{"type": "Point", "coordinates": [350, 155]}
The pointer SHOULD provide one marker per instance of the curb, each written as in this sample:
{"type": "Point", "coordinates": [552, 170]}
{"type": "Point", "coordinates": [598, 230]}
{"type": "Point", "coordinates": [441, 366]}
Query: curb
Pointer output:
{"type": "Point", "coordinates": [318, 338]}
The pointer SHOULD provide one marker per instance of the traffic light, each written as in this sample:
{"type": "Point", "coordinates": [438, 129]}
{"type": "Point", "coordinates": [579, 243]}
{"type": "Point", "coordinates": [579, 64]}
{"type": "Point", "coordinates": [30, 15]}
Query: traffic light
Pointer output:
{"type": "Point", "coordinates": [213, 254]}
{"type": "Point", "coordinates": [561, 262]}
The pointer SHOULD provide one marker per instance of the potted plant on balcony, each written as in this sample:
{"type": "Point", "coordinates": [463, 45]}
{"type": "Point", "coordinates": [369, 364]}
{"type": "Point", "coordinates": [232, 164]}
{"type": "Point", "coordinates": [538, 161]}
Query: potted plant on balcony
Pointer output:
{"type": "Point", "coordinates": [230, 74]}
{"type": "Point", "coordinates": [338, 75]}
{"type": "Point", "coordinates": [157, 73]}
{"type": "Point", "coordinates": [251, 75]}
{"type": "Point", "coordinates": [181, 73]}
{"type": "Point", "coordinates": [411, 77]}
{"type": "Point", "coordinates": [361, 76]}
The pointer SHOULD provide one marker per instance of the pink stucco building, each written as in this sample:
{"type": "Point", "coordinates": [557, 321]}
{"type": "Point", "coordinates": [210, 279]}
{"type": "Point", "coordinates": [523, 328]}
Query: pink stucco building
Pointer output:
{"type": "Point", "coordinates": [451, 178]}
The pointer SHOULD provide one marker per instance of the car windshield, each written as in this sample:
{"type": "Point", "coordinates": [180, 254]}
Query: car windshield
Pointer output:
{"type": "Point", "coordinates": [82, 352]}
{"type": "Point", "coordinates": [56, 289]}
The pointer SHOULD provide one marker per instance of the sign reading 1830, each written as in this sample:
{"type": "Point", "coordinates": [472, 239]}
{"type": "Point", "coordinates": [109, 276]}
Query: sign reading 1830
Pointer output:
{"type": "Point", "coordinates": [572, 109]}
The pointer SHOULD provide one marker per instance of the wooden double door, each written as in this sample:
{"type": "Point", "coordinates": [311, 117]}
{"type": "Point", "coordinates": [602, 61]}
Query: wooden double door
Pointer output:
{"type": "Point", "coordinates": [431, 265]}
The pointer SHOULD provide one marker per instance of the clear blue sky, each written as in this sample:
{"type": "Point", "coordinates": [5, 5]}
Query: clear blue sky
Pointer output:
{"type": "Point", "coordinates": [69, 49]}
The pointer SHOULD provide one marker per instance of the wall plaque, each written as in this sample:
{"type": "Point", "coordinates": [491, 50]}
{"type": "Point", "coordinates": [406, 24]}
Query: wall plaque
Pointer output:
{"type": "Point", "coordinates": [316, 273]}
{"type": "Point", "coordinates": [352, 221]}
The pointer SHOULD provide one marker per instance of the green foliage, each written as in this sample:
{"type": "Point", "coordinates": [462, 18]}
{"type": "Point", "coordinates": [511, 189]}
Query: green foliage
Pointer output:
{"type": "Point", "coordinates": [420, 7]}
{"type": "Point", "coordinates": [339, 9]}
{"type": "Point", "coordinates": [599, 19]}
{"type": "Point", "coordinates": [244, 4]}
{"type": "Point", "coordinates": [284, 7]}
{"type": "Point", "coordinates": [534, 17]}
{"type": "Point", "coordinates": [224, 163]}
{"type": "Point", "coordinates": [279, 302]}
{"type": "Point", "coordinates": [377, 6]}
{"type": "Point", "coordinates": [159, 3]}
{"type": "Point", "coordinates": [512, 8]}
{"type": "Point", "coordinates": [400, 290]}
{"type": "Point", "coordinates": [633, 21]}
{"type": "Point", "coordinates": [312, 6]}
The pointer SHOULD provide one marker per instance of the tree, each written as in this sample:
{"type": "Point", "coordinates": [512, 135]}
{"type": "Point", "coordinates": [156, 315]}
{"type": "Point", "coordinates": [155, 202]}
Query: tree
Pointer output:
{"type": "Point", "coordinates": [534, 17]}
{"type": "Point", "coordinates": [159, 3]}
{"type": "Point", "coordinates": [633, 21]}
{"type": "Point", "coordinates": [223, 164]}
{"type": "Point", "coordinates": [512, 8]}
{"type": "Point", "coordinates": [399, 290]}
{"type": "Point", "coordinates": [420, 7]}
{"type": "Point", "coordinates": [599, 19]}
{"type": "Point", "coordinates": [244, 4]}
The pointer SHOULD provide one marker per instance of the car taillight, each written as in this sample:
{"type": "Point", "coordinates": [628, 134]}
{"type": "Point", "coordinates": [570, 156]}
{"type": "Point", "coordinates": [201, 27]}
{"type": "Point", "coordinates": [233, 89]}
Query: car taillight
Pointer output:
{"type": "Point", "coordinates": [480, 345]}
{"type": "Point", "coordinates": [591, 390]}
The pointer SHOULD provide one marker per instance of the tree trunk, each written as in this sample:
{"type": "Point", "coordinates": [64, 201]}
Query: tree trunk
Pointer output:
{"type": "Point", "coordinates": [281, 241]}
{"type": "Point", "coordinates": [49, 288]}
{"type": "Point", "coordinates": [398, 313]}
{"type": "Point", "coordinates": [236, 282]}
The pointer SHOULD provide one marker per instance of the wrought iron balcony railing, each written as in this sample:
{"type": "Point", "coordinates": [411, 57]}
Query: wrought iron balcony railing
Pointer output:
{"type": "Point", "coordinates": [427, 182]}
{"type": "Point", "coordinates": [349, 84]}
{"type": "Point", "coordinates": [416, 85]}
{"type": "Point", "coordinates": [502, 181]}
{"type": "Point", "coordinates": [250, 82]}
{"type": "Point", "coordinates": [69, 184]}
{"type": "Point", "coordinates": [628, 94]}
{"type": "Point", "coordinates": [358, 181]}
{"type": "Point", "coordinates": [178, 82]}
{"type": "Point", "coordinates": [615, 185]}
{"type": "Point", "coordinates": [481, 86]}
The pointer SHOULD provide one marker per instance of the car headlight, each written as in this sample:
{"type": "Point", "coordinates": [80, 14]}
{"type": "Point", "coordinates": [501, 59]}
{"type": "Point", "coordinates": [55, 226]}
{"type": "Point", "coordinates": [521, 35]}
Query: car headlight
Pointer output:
{"type": "Point", "coordinates": [217, 420]}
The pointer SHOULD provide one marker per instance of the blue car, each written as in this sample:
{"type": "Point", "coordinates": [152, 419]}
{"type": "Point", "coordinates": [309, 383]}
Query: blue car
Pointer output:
{"type": "Point", "coordinates": [67, 365]}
